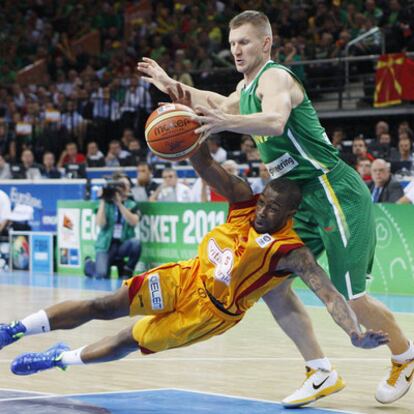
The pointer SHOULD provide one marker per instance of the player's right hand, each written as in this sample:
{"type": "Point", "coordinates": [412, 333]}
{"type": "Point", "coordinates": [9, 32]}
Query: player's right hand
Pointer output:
{"type": "Point", "coordinates": [154, 74]}
{"type": "Point", "coordinates": [369, 339]}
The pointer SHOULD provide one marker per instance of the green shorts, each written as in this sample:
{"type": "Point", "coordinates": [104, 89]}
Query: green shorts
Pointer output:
{"type": "Point", "coordinates": [336, 215]}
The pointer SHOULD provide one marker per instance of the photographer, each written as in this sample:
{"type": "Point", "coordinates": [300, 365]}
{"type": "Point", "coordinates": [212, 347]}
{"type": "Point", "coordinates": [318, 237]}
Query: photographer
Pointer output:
{"type": "Point", "coordinates": [117, 218]}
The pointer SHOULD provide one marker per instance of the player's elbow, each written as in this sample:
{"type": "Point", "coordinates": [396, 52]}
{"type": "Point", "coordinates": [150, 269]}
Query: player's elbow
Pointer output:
{"type": "Point", "coordinates": [276, 126]}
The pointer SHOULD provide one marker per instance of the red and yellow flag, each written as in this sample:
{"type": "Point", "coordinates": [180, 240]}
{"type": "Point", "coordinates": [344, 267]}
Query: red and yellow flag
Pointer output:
{"type": "Point", "coordinates": [388, 88]}
{"type": "Point", "coordinates": [407, 80]}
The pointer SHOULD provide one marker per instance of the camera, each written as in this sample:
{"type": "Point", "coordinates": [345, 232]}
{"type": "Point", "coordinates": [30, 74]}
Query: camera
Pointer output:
{"type": "Point", "coordinates": [110, 189]}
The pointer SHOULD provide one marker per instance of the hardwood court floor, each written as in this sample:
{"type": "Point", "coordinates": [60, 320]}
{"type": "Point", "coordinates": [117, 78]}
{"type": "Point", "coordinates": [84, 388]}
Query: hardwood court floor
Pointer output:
{"type": "Point", "coordinates": [254, 359]}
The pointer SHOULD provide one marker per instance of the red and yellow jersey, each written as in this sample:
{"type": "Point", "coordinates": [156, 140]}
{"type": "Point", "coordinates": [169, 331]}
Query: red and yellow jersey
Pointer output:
{"type": "Point", "coordinates": [237, 264]}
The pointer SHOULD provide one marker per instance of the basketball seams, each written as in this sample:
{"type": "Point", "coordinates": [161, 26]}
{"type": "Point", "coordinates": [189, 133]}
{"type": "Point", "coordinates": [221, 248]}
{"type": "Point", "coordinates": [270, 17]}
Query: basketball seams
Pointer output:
{"type": "Point", "coordinates": [170, 135]}
{"type": "Point", "coordinates": [168, 115]}
{"type": "Point", "coordinates": [176, 155]}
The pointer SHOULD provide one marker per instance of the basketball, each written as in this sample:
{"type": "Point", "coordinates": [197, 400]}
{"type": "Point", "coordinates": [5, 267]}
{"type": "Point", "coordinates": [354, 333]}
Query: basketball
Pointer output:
{"type": "Point", "coordinates": [169, 132]}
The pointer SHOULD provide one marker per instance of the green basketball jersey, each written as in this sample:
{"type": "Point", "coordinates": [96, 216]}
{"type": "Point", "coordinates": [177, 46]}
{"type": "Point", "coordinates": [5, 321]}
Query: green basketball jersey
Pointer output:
{"type": "Point", "coordinates": [303, 151]}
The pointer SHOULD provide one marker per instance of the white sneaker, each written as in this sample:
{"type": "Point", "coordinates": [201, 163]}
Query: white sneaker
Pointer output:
{"type": "Point", "coordinates": [397, 383]}
{"type": "Point", "coordinates": [318, 384]}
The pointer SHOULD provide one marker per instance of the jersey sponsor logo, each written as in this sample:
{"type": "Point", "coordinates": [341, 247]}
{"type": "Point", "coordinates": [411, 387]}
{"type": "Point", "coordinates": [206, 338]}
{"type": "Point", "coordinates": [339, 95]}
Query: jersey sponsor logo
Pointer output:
{"type": "Point", "coordinates": [281, 165]}
{"type": "Point", "coordinates": [264, 240]}
{"type": "Point", "coordinates": [260, 139]}
{"type": "Point", "coordinates": [155, 292]}
{"type": "Point", "coordinates": [223, 261]}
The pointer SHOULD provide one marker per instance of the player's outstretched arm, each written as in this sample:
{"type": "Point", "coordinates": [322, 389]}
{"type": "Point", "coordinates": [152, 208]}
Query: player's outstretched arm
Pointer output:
{"type": "Point", "coordinates": [153, 73]}
{"type": "Point", "coordinates": [275, 92]}
{"type": "Point", "coordinates": [302, 263]}
{"type": "Point", "coordinates": [231, 187]}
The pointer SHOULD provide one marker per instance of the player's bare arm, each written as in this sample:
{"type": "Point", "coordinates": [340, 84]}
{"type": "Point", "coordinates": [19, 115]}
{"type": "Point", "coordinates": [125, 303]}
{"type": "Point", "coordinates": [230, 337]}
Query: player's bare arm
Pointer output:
{"type": "Point", "coordinates": [302, 263]}
{"type": "Point", "coordinates": [278, 93]}
{"type": "Point", "coordinates": [229, 186]}
{"type": "Point", "coordinates": [153, 73]}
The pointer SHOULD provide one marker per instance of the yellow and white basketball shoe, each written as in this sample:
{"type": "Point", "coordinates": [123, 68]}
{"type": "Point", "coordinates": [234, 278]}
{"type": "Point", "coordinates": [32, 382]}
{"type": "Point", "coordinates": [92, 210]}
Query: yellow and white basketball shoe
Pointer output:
{"type": "Point", "coordinates": [397, 383]}
{"type": "Point", "coordinates": [318, 384]}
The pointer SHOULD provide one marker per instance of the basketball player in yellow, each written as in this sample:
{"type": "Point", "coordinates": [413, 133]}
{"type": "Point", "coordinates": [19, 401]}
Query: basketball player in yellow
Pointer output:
{"type": "Point", "coordinates": [191, 301]}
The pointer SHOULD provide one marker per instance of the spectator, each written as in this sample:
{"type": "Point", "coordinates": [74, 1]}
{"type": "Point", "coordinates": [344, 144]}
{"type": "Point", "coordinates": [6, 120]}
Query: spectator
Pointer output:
{"type": "Point", "coordinates": [127, 137]}
{"type": "Point", "coordinates": [218, 153]}
{"type": "Point", "coordinates": [94, 157]}
{"type": "Point", "coordinates": [405, 148]}
{"type": "Point", "coordinates": [5, 172]}
{"type": "Point", "coordinates": [29, 169]}
{"type": "Point", "coordinates": [408, 197]}
{"type": "Point", "coordinates": [7, 145]}
{"type": "Point", "coordinates": [383, 187]}
{"type": "Point", "coordinates": [5, 210]}
{"type": "Point", "coordinates": [363, 166]}
{"type": "Point", "coordinates": [372, 11]}
{"type": "Point", "coordinates": [117, 219]}
{"type": "Point", "coordinates": [248, 151]}
{"type": "Point", "coordinates": [200, 191]}
{"type": "Point", "coordinates": [71, 156]}
{"type": "Point", "coordinates": [360, 150]}
{"type": "Point", "coordinates": [260, 183]}
{"type": "Point", "coordinates": [381, 127]}
{"type": "Point", "coordinates": [137, 154]}
{"type": "Point", "coordinates": [49, 169]}
{"type": "Point", "coordinates": [231, 167]}
{"type": "Point", "coordinates": [116, 155]}
{"type": "Point", "coordinates": [170, 189]}
{"type": "Point", "coordinates": [145, 186]}
{"type": "Point", "coordinates": [338, 136]}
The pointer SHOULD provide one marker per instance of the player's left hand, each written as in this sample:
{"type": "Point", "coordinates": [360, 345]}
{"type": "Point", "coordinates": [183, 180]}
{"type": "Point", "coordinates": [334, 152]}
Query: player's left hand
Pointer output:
{"type": "Point", "coordinates": [369, 339]}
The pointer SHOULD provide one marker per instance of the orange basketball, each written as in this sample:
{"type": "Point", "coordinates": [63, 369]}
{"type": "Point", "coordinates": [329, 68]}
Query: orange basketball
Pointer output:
{"type": "Point", "coordinates": [169, 132]}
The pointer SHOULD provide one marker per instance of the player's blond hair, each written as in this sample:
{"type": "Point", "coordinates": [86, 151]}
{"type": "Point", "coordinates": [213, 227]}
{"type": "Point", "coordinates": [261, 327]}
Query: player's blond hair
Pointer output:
{"type": "Point", "coordinates": [257, 19]}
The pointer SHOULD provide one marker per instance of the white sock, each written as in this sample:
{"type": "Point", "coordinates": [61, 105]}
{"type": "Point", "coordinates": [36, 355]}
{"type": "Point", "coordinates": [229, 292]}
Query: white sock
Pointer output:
{"type": "Point", "coordinates": [322, 363]}
{"type": "Point", "coordinates": [408, 354]}
{"type": "Point", "coordinates": [72, 357]}
{"type": "Point", "coordinates": [36, 323]}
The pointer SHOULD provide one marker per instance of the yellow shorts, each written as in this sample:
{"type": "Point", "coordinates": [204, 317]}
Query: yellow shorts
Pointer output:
{"type": "Point", "coordinates": [181, 312]}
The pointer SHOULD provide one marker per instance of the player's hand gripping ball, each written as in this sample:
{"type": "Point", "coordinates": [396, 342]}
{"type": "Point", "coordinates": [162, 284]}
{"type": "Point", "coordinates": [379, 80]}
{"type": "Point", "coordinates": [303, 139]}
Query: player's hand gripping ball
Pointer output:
{"type": "Point", "coordinates": [169, 132]}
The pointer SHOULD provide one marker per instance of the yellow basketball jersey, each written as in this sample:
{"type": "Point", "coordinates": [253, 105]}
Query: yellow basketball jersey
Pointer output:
{"type": "Point", "coordinates": [236, 264]}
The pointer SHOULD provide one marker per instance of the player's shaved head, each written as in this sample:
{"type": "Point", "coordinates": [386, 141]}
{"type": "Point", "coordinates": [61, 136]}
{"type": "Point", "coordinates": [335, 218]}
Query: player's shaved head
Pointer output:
{"type": "Point", "coordinates": [257, 19]}
{"type": "Point", "coordinates": [289, 189]}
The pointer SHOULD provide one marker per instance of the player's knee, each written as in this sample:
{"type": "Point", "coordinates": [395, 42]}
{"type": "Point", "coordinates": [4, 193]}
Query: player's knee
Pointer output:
{"type": "Point", "coordinates": [279, 294]}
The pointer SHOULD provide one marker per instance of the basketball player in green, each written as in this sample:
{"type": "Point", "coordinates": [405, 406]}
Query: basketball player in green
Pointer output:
{"type": "Point", "coordinates": [336, 214]}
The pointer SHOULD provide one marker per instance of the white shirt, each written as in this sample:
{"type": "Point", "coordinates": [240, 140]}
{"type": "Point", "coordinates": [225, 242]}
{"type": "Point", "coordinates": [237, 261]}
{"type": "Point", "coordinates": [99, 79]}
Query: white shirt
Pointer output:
{"type": "Point", "coordinates": [220, 156]}
{"type": "Point", "coordinates": [409, 191]}
{"type": "Point", "coordinates": [180, 193]}
{"type": "Point", "coordinates": [5, 206]}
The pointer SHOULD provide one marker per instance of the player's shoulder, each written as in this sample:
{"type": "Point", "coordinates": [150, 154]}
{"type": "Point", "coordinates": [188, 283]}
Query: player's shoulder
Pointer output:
{"type": "Point", "coordinates": [276, 75]}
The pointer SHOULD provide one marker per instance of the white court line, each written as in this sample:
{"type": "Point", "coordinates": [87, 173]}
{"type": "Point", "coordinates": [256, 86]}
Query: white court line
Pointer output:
{"type": "Point", "coordinates": [246, 359]}
{"type": "Point", "coordinates": [49, 396]}
{"type": "Point", "coordinates": [236, 397]}
{"type": "Point", "coordinates": [257, 399]}
{"type": "Point", "coordinates": [28, 392]}
{"type": "Point", "coordinates": [231, 359]}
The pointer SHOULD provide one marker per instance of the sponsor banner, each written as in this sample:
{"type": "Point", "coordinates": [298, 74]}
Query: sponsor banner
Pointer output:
{"type": "Point", "coordinates": [20, 251]}
{"type": "Point", "coordinates": [31, 251]}
{"type": "Point", "coordinates": [170, 232]}
{"type": "Point", "coordinates": [43, 196]}
{"type": "Point", "coordinates": [41, 255]}
{"type": "Point", "coordinates": [76, 234]}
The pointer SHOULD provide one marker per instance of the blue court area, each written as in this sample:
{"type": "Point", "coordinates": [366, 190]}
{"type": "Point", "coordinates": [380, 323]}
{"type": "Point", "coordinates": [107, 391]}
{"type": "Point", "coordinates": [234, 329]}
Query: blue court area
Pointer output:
{"type": "Point", "coordinates": [397, 303]}
{"type": "Point", "coordinates": [163, 401]}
